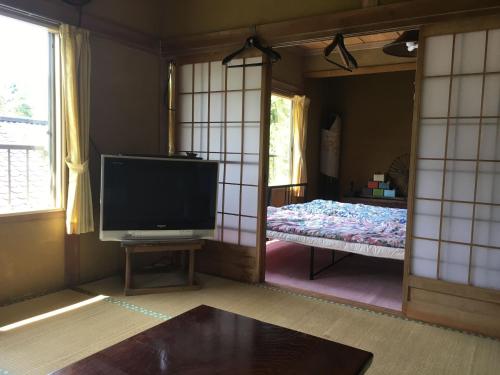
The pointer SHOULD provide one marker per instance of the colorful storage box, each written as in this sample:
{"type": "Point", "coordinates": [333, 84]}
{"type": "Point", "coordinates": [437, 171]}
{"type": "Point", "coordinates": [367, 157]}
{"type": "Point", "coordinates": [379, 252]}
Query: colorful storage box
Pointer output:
{"type": "Point", "coordinates": [384, 185]}
{"type": "Point", "coordinates": [390, 193]}
{"type": "Point", "coordinates": [378, 192]}
{"type": "Point", "coordinates": [380, 177]}
{"type": "Point", "coordinates": [372, 185]}
{"type": "Point", "coordinates": [367, 192]}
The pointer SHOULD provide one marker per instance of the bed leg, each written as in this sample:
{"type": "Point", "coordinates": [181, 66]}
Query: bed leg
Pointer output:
{"type": "Point", "coordinates": [311, 264]}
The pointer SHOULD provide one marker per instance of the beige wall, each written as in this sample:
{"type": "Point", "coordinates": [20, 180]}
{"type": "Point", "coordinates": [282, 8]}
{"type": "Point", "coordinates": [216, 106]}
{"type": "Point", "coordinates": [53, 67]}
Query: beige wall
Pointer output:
{"type": "Point", "coordinates": [31, 256]}
{"type": "Point", "coordinates": [124, 118]}
{"type": "Point", "coordinates": [376, 112]}
{"type": "Point", "coordinates": [289, 70]}
{"type": "Point", "coordinates": [141, 15]}
{"type": "Point", "coordinates": [199, 16]}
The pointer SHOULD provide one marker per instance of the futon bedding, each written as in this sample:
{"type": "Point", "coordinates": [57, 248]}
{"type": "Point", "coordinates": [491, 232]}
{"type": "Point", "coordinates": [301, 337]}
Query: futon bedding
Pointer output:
{"type": "Point", "coordinates": [342, 226]}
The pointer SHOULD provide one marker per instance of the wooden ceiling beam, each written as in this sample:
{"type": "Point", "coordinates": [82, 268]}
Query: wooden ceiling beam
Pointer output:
{"type": "Point", "coordinates": [397, 16]}
{"type": "Point", "coordinates": [57, 13]}
{"type": "Point", "coordinates": [375, 69]}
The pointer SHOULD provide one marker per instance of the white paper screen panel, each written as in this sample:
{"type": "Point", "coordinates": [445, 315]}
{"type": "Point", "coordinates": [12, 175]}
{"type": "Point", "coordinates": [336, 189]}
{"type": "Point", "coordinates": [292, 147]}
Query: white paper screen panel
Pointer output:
{"type": "Point", "coordinates": [456, 218]}
{"type": "Point", "coordinates": [218, 117]}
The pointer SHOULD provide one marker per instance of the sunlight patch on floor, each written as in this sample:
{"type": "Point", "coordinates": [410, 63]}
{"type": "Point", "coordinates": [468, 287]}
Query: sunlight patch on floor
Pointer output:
{"type": "Point", "coordinates": [52, 313]}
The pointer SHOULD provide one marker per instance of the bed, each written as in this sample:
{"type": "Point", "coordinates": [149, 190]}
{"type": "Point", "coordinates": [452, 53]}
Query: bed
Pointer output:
{"type": "Point", "coordinates": [354, 228]}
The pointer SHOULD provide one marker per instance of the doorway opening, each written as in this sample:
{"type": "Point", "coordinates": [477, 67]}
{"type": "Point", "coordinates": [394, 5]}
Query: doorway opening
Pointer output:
{"type": "Point", "coordinates": [337, 227]}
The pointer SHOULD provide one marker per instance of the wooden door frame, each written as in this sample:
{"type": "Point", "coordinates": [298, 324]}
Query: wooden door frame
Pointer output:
{"type": "Point", "coordinates": [466, 307]}
{"type": "Point", "coordinates": [251, 254]}
{"type": "Point", "coordinates": [405, 15]}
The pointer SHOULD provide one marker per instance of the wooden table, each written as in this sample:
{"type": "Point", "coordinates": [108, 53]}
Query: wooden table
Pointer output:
{"type": "Point", "coordinates": [206, 340]}
{"type": "Point", "coordinates": [132, 247]}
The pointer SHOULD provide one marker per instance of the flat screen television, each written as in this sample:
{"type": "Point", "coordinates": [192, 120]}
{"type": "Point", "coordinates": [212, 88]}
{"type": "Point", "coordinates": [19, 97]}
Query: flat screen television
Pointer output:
{"type": "Point", "coordinates": [155, 198]}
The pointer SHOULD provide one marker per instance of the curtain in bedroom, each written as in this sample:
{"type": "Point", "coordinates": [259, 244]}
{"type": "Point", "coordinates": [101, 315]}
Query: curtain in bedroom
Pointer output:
{"type": "Point", "coordinates": [75, 98]}
{"type": "Point", "coordinates": [300, 109]}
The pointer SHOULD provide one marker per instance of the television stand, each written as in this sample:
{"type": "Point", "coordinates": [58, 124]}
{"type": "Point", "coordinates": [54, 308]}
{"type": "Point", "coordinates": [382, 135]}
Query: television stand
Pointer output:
{"type": "Point", "coordinates": [145, 247]}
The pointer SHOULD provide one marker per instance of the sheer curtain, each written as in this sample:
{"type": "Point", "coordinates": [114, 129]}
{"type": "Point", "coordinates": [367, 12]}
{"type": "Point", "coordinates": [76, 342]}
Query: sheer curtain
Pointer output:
{"type": "Point", "coordinates": [75, 98]}
{"type": "Point", "coordinates": [300, 109]}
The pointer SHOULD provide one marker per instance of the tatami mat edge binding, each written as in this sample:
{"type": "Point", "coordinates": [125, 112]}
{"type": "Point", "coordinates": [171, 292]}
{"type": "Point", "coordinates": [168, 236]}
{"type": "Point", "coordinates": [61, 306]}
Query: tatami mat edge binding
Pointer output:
{"type": "Point", "coordinates": [313, 298]}
{"type": "Point", "coordinates": [301, 295]}
{"type": "Point", "coordinates": [126, 305]}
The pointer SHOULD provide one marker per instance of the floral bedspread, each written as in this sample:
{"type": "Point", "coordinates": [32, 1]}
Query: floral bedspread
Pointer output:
{"type": "Point", "coordinates": [359, 223]}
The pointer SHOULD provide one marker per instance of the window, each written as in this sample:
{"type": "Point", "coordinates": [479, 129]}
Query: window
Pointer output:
{"type": "Point", "coordinates": [29, 132]}
{"type": "Point", "coordinates": [280, 141]}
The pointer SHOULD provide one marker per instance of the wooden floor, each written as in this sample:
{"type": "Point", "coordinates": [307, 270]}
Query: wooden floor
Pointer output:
{"type": "Point", "coordinates": [399, 346]}
{"type": "Point", "coordinates": [367, 280]}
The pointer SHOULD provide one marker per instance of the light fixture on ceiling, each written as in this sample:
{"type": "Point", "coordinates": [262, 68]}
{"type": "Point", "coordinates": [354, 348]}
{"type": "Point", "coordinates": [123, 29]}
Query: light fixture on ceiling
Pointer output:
{"type": "Point", "coordinates": [405, 46]}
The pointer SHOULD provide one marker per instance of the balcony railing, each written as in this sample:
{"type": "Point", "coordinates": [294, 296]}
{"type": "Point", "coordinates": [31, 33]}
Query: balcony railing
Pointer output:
{"type": "Point", "coordinates": [15, 163]}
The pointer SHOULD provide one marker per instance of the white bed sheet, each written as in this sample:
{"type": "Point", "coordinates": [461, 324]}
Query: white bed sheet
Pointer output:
{"type": "Point", "coordinates": [351, 247]}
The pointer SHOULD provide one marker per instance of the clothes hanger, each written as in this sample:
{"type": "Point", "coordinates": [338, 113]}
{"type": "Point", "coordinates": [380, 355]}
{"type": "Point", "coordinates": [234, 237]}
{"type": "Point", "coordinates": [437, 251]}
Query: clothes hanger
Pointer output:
{"type": "Point", "coordinates": [348, 61]}
{"type": "Point", "coordinates": [252, 42]}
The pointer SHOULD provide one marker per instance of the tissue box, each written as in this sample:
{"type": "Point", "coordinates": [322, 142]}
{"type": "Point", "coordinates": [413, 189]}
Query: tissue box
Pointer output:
{"type": "Point", "coordinates": [378, 192]}
{"type": "Point", "coordinates": [372, 185]}
{"type": "Point", "coordinates": [390, 193]}
{"type": "Point", "coordinates": [380, 177]}
{"type": "Point", "coordinates": [384, 185]}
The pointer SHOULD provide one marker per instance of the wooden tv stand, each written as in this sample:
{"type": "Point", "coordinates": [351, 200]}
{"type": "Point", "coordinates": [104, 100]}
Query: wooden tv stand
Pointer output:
{"type": "Point", "coordinates": [137, 247]}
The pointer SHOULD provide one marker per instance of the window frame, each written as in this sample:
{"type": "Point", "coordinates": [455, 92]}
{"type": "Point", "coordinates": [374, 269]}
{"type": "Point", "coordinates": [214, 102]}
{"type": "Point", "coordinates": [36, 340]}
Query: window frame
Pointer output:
{"type": "Point", "coordinates": [55, 130]}
{"type": "Point", "coordinates": [288, 97]}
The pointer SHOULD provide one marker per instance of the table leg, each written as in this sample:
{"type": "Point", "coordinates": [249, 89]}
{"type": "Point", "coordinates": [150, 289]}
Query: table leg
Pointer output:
{"type": "Point", "coordinates": [311, 264]}
{"type": "Point", "coordinates": [128, 271]}
{"type": "Point", "coordinates": [191, 267]}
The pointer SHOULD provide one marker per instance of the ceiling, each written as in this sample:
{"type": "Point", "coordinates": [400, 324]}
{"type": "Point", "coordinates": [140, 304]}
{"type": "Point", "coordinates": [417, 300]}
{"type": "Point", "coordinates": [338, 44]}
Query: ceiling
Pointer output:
{"type": "Point", "coordinates": [353, 43]}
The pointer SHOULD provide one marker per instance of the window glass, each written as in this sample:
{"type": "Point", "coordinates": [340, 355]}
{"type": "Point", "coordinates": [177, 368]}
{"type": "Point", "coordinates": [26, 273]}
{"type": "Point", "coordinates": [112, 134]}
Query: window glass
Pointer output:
{"type": "Point", "coordinates": [28, 173]}
{"type": "Point", "coordinates": [280, 141]}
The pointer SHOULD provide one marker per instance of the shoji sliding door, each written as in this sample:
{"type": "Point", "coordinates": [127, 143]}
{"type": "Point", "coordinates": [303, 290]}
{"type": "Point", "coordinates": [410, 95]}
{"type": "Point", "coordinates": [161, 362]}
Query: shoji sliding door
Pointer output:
{"type": "Point", "coordinates": [219, 118]}
{"type": "Point", "coordinates": [454, 242]}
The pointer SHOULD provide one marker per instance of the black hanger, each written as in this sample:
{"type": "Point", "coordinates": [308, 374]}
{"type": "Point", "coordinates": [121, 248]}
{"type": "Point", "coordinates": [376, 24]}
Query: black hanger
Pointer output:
{"type": "Point", "coordinates": [348, 61]}
{"type": "Point", "coordinates": [252, 42]}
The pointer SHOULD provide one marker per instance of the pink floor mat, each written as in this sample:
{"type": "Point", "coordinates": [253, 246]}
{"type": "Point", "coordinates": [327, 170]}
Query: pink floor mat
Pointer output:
{"type": "Point", "coordinates": [359, 278]}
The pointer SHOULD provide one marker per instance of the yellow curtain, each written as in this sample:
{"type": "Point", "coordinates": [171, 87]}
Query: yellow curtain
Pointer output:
{"type": "Point", "coordinates": [300, 109]}
{"type": "Point", "coordinates": [75, 90]}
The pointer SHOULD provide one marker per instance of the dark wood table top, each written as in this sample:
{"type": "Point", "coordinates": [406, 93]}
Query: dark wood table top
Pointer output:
{"type": "Point", "coordinates": [206, 340]}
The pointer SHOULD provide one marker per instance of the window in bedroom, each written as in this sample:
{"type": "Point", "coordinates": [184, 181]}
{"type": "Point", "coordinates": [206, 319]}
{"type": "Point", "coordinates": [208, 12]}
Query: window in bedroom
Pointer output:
{"type": "Point", "coordinates": [280, 141]}
{"type": "Point", "coordinates": [29, 135]}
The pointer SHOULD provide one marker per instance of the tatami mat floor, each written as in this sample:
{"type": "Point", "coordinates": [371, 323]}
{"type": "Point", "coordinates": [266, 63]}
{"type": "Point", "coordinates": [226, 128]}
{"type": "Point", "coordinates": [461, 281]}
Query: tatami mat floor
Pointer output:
{"type": "Point", "coordinates": [399, 346]}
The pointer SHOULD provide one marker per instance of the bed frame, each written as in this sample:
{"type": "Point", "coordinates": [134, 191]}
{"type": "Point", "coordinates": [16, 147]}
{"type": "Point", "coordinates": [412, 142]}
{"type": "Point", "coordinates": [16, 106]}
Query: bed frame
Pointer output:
{"type": "Point", "coordinates": [313, 273]}
{"type": "Point", "coordinates": [288, 198]}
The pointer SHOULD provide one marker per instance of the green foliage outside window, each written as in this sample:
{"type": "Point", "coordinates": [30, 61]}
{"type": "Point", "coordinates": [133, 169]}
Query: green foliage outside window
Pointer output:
{"type": "Point", "coordinates": [280, 141]}
{"type": "Point", "coordinates": [13, 103]}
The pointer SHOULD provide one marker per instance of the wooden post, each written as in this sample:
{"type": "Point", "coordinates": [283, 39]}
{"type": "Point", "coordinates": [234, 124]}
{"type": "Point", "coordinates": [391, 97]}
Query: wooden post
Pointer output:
{"type": "Point", "coordinates": [128, 270]}
{"type": "Point", "coordinates": [71, 259]}
{"type": "Point", "coordinates": [191, 268]}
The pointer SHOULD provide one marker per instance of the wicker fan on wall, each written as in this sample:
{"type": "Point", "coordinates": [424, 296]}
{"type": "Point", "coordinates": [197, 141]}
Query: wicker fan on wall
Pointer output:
{"type": "Point", "coordinates": [399, 173]}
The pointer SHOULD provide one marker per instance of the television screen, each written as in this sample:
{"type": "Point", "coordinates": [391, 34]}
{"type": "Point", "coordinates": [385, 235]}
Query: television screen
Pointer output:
{"type": "Point", "coordinates": [143, 197]}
